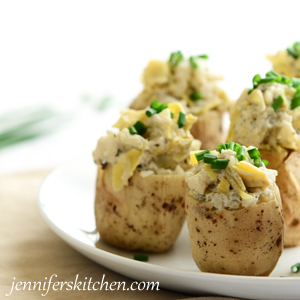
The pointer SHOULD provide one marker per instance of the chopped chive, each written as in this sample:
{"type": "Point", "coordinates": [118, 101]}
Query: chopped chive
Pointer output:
{"type": "Point", "coordinates": [195, 96]}
{"type": "Point", "coordinates": [209, 158]}
{"type": "Point", "coordinates": [268, 79]}
{"type": "Point", "coordinates": [292, 52]}
{"type": "Point", "coordinates": [118, 152]}
{"type": "Point", "coordinates": [155, 104]}
{"type": "Point", "coordinates": [288, 81]}
{"type": "Point", "coordinates": [162, 107]}
{"type": "Point", "coordinates": [220, 164]}
{"type": "Point", "coordinates": [295, 268]}
{"type": "Point", "coordinates": [295, 103]}
{"type": "Point", "coordinates": [172, 115]}
{"type": "Point", "coordinates": [272, 73]}
{"type": "Point", "coordinates": [256, 79]}
{"type": "Point", "coordinates": [141, 257]}
{"type": "Point", "coordinates": [265, 162]}
{"type": "Point", "coordinates": [138, 128]}
{"type": "Point", "coordinates": [236, 147]}
{"type": "Point", "coordinates": [230, 145]}
{"type": "Point", "coordinates": [277, 103]}
{"type": "Point", "coordinates": [200, 155]}
{"type": "Point", "coordinates": [240, 151]}
{"type": "Point", "coordinates": [254, 153]}
{"type": "Point", "coordinates": [205, 56]}
{"type": "Point", "coordinates": [132, 130]}
{"type": "Point", "coordinates": [150, 112]}
{"type": "Point", "coordinates": [181, 120]}
{"type": "Point", "coordinates": [175, 58]}
{"type": "Point", "coordinates": [156, 108]}
{"type": "Point", "coordinates": [257, 162]}
{"type": "Point", "coordinates": [296, 82]}
{"type": "Point", "coordinates": [241, 157]}
{"type": "Point", "coordinates": [193, 62]}
{"type": "Point", "coordinates": [222, 146]}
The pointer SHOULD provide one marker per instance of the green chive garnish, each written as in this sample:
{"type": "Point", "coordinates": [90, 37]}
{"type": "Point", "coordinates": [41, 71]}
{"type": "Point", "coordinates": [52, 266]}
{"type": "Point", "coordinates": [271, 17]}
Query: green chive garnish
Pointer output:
{"type": "Point", "coordinates": [295, 268]}
{"type": "Point", "coordinates": [236, 147]}
{"type": "Point", "coordinates": [220, 164]}
{"type": "Point", "coordinates": [200, 155]}
{"type": "Point", "coordinates": [141, 257]}
{"type": "Point", "coordinates": [195, 96]}
{"type": "Point", "coordinates": [222, 146]}
{"type": "Point", "coordinates": [205, 56]}
{"type": "Point", "coordinates": [240, 153]}
{"type": "Point", "coordinates": [277, 103]}
{"type": "Point", "coordinates": [132, 130]}
{"type": "Point", "coordinates": [230, 145]}
{"type": "Point", "coordinates": [181, 120]}
{"type": "Point", "coordinates": [175, 58]}
{"type": "Point", "coordinates": [265, 162]}
{"type": "Point", "coordinates": [254, 153]}
{"type": "Point", "coordinates": [256, 79]}
{"type": "Point", "coordinates": [241, 157]}
{"type": "Point", "coordinates": [257, 162]}
{"type": "Point", "coordinates": [296, 100]}
{"type": "Point", "coordinates": [150, 112]}
{"type": "Point", "coordinates": [296, 82]}
{"type": "Point", "coordinates": [209, 158]}
{"type": "Point", "coordinates": [193, 62]}
{"type": "Point", "coordinates": [172, 115]}
{"type": "Point", "coordinates": [156, 108]}
{"type": "Point", "coordinates": [138, 128]}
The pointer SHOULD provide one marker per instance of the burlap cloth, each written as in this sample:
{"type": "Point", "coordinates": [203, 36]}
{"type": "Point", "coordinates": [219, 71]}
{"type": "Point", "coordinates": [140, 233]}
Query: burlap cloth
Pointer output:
{"type": "Point", "coordinates": [30, 251]}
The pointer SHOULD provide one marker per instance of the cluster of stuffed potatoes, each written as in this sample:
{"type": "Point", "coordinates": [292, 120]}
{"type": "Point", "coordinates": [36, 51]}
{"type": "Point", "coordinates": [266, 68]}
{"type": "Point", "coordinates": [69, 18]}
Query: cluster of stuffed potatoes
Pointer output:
{"type": "Point", "coordinates": [148, 183]}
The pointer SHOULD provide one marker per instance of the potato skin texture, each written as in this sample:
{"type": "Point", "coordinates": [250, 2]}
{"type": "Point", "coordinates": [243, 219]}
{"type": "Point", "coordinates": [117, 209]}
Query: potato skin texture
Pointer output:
{"type": "Point", "coordinates": [247, 241]}
{"type": "Point", "coordinates": [209, 129]}
{"type": "Point", "coordinates": [147, 215]}
{"type": "Point", "coordinates": [288, 181]}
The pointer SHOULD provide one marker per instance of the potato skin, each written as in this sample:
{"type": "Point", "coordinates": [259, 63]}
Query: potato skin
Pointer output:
{"type": "Point", "coordinates": [248, 241]}
{"type": "Point", "coordinates": [147, 215]}
{"type": "Point", "coordinates": [209, 129]}
{"type": "Point", "coordinates": [288, 181]}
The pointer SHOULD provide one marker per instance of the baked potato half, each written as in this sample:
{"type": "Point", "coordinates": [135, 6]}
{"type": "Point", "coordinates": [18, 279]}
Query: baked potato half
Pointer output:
{"type": "Point", "coordinates": [233, 212]}
{"type": "Point", "coordinates": [141, 177]}
{"type": "Point", "coordinates": [288, 181]}
{"type": "Point", "coordinates": [146, 215]}
{"type": "Point", "coordinates": [246, 241]}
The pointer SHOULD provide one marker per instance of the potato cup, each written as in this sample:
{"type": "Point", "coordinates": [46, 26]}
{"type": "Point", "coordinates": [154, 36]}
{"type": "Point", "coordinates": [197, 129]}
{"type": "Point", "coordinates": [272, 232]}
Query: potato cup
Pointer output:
{"type": "Point", "coordinates": [141, 186]}
{"type": "Point", "coordinates": [268, 117]}
{"type": "Point", "coordinates": [189, 82]}
{"type": "Point", "coordinates": [233, 212]}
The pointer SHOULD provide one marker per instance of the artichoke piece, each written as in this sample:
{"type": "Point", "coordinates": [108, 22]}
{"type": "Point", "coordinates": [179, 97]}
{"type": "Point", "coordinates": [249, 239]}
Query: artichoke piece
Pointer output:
{"type": "Point", "coordinates": [251, 175]}
{"type": "Point", "coordinates": [234, 179]}
{"type": "Point", "coordinates": [224, 186]}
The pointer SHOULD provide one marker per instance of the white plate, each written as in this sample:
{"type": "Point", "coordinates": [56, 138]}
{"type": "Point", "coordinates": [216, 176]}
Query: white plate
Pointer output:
{"type": "Point", "coordinates": [66, 202]}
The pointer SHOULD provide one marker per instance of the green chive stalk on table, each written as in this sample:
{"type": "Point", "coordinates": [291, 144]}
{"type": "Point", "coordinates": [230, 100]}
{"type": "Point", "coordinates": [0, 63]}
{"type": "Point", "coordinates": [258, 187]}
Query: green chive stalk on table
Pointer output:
{"type": "Point", "coordinates": [26, 124]}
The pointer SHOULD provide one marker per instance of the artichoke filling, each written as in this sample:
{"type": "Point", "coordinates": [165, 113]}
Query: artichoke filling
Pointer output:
{"type": "Point", "coordinates": [230, 178]}
{"type": "Point", "coordinates": [188, 81]}
{"type": "Point", "coordinates": [156, 140]}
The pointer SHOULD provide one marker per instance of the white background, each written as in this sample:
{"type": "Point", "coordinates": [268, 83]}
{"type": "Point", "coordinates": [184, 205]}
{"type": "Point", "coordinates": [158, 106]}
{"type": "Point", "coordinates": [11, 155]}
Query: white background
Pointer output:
{"type": "Point", "coordinates": [56, 51]}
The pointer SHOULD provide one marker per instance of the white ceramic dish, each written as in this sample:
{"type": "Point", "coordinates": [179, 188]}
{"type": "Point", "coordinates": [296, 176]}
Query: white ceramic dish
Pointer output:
{"type": "Point", "coordinates": [66, 202]}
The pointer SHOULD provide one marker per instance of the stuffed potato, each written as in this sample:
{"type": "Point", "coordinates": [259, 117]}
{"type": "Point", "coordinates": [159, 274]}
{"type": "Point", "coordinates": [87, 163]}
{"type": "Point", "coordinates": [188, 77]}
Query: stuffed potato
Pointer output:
{"type": "Point", "coordinates": [140, 186]}
{"type": "Point", "coordinates": [190, 82]}
{"type": "Point", "coordinates": [233, 211]}
{"type": "Point", "coordinates": [287, 62]}
{"type": "Point", "coordinates": [268, 117]}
